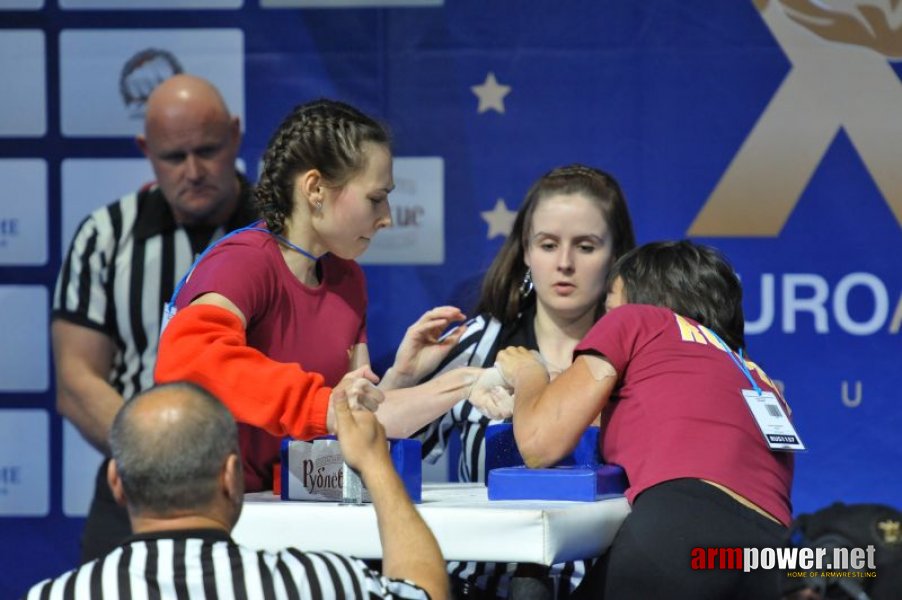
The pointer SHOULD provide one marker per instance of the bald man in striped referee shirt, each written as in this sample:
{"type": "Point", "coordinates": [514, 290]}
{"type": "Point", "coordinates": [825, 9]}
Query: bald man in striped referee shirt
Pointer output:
{"type": "Point", "coordinates": [176, 467]}
{"type": "Point", "coordinates": [124, 262]}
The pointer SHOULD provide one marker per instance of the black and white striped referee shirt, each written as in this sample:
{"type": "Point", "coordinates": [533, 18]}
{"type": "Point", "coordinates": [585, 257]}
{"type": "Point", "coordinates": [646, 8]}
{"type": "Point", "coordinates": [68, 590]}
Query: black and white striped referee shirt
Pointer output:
{"type": "Point", "coordinates": [124, 261]}
{"type": "Point", "coordinates": [478, 347]}
{"type": "Point", "coordinates": [208, 564]}
{"type": "Point", "coordinates": [484, 338]}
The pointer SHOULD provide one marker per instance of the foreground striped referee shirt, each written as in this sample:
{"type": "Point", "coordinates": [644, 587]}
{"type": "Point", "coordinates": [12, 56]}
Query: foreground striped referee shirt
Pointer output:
{"type": "Point", "coordinates": [123, 263]}
{"type": "Point", "coordinates": [208, 564]}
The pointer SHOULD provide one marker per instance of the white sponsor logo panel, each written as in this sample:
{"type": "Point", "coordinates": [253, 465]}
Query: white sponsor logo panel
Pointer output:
{"type": "Point", "coordinates": [21, 4]}
{"type": "Point", "coordinates": [106, 75]}
{"type": "Point", "coordinates": [80, 464]}
{"type": "Point", "coordinates": [23, 213]}
{"type": "Point", "coordinates": [150, 4]}
{"type": "Point", "coordinates": [417, 234]}
{"type": "Point", "coordinates": [90, 183]}
{"type": "Point", "coordinates": [24, 353]}
{"type": "Point", "coordinates": [24, 463]}
{"type": "Point", "coordinates": [23, 102]}
{"type": "Point", "coordinates": [347, 3]}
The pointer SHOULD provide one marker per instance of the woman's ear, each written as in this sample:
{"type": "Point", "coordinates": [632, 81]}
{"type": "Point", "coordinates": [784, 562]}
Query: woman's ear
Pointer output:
{"type": "Point", "coordinates": [311, 186]}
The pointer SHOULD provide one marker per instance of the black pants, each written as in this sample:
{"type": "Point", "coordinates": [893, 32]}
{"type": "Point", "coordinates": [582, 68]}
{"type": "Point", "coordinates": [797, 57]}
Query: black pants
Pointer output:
{"type": "Point", "coordinates": [107, 525]}
{"type": "Point", "coordinates": [651, 554]}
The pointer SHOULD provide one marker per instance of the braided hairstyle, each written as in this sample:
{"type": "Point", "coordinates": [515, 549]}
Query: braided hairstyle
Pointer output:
{"type": "Point", "coordinates": [501, 295]}
{"type": "Point", "coordinates": [325, 135]}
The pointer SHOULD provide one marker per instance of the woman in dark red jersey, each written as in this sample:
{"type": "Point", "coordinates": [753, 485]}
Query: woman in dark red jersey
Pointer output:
{"type": "Point", "coordinates": [666, 370]}
{"type": "Point", "coordinates": [272, 319]}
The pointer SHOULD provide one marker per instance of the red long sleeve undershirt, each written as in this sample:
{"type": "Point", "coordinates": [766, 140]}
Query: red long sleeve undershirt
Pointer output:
{"type": "Point", "coordinates": [207, 345]}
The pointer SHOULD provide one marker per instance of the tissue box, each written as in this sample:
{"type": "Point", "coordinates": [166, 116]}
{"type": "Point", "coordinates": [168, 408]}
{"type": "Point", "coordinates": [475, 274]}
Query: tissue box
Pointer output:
{"type": "Point", "coordinates": [313, 470]}
{"type": "Point", "coordinates": [501, 449]}
{"type": "Point", "coordinates": [587, 483]}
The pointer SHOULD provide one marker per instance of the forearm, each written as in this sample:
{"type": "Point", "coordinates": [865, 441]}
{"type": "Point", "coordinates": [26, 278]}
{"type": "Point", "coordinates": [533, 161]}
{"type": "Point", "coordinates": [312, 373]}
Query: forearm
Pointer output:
{"type": "Point", "coordinates": [409, 549]}
{"type": "Point", "coordinates": [549, 418]}
{"type": "Point", "coordinates": [407, 410]}
{"type": "Point", "coordinates": [393, 380]}
{"type": "Point", "coordinates": [90, 404]}
{"type": "Point", "coordinates": [83, 358]}
{"type": "Point", "coordinates": [531, 417]}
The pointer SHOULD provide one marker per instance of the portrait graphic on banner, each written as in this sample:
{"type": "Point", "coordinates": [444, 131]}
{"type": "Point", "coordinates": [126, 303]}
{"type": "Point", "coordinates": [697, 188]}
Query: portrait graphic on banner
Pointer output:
{"type": "Point", "coordinates": [417, 234]}
{"type": "Point", "coordinates": [142, 73]}
{"type": "Point", "coordinates": [840, 78]}
{"type": "Point", "coordinates": [107, 75]}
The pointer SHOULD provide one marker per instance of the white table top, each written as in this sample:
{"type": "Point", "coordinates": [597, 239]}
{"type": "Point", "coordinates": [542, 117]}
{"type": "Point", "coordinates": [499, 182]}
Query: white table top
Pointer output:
{"type": "Point", "coordinates": [466, 524]}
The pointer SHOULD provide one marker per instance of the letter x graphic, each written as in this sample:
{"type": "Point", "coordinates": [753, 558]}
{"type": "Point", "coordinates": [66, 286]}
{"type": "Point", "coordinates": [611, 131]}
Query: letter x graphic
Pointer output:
{"type": "Point", "coordinates": [830, 85]}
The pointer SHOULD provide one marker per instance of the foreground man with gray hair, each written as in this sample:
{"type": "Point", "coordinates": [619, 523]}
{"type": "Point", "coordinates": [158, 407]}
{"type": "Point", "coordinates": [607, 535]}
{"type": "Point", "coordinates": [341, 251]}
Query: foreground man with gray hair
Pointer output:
{"type": "Point", "coordinates": [177, 469]}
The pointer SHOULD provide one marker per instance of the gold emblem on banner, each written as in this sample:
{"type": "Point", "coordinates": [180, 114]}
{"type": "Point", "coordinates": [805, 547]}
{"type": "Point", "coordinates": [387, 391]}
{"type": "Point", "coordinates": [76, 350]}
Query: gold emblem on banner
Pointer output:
{"type": "Point", "coordinates": [839, 78]}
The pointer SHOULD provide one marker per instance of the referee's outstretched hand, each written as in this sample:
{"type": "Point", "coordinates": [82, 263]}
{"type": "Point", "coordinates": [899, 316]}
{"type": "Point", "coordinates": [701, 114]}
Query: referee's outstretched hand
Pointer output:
{"type": "Point", "coordinates": [424, 346]}
{"type": "Point", "coordinates": [361, 436]}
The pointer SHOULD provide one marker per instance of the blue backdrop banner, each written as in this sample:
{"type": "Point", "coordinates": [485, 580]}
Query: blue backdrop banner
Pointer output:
{"type": "Point", "coordinates": [771, 129]}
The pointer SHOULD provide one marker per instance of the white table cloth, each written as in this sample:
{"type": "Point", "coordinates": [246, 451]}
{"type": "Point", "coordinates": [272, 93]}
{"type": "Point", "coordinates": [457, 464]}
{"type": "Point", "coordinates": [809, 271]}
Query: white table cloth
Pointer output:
{"type": "Point", "coordinates": [466, 524]}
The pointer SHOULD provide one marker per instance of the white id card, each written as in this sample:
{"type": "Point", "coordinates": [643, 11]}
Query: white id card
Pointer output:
{"type": "Point", "coordinates": [772, 420]}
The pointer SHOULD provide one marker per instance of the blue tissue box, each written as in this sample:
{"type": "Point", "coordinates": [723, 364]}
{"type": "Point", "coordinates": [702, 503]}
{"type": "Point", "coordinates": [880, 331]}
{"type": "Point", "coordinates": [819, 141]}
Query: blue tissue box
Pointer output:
{"type": "Point", "coordinates": [312, 470]}
{"type": "Point", "coordinates": [580, 483]}
{"type": "Point", "coordinates": [501, 449]}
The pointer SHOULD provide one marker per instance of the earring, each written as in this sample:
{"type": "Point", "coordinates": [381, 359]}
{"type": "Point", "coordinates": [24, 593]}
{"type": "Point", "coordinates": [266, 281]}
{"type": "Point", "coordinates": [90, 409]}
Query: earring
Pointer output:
{"type": "Point", "coordinates": [319, 205]}
{"type": "Point", "coordinates": [526, 285]}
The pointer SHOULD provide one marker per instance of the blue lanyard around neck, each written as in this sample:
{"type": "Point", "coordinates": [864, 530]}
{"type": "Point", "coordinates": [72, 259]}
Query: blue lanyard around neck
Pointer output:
{"type": "Point", "coordinates": [739, 361]}
{"type": "Point", "coordinates": [256, 226]}
{"type": "Point", "coordinates": [297, 249]}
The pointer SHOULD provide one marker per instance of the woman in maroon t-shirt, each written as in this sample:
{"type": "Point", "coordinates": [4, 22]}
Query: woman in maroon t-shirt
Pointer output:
{"type": "Point", "coordinates": [665, 370]}
{"type": "Point", "coordinates": [274, 318]}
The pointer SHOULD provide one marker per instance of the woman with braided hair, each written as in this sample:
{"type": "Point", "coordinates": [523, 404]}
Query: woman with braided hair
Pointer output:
{"type": "Point", "coordinates": [271, 319]}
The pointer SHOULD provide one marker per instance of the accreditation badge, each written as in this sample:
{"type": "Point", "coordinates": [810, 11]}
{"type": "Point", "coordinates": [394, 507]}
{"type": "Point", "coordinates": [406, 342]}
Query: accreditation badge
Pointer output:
{"type": "Point", "coordinates": [772, 421]}
{"type": "Point", "coordinates": [169, 311]}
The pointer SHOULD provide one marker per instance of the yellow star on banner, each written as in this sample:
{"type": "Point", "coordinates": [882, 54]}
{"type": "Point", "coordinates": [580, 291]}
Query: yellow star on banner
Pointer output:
{"type": "Point", "coordinates": [500, 219]}
{"type": "Point", "coordinates": [491, 94]}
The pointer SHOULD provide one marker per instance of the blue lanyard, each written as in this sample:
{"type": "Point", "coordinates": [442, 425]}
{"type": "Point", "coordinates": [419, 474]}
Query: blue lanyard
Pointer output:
{"type": "Point", "coordinates": [295, 248]}
{"type": "Point", "coordinates": [738, 361]}
{"type": "Point", "coordinates": [252, 227]}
